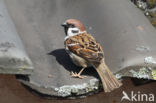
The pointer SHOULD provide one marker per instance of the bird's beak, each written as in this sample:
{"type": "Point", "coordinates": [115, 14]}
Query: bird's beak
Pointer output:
{"type": "Point", "coordinates": [64, 24]}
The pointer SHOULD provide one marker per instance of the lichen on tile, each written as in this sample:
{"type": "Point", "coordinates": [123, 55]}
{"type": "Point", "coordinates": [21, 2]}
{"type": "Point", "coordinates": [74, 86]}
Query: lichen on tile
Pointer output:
{"type": "Point", "coordinates": [142, 48]}
{"type": "Point", "coordinates": [154, 74]}
{"type": "Point", "coordinates": [149, 60]}
{"type": "Point", "coordinates": [118, 76]}
{"type": "Point", "coordinates": [68, 90]}
{"type": "Point", "coordinates": [142, 73]}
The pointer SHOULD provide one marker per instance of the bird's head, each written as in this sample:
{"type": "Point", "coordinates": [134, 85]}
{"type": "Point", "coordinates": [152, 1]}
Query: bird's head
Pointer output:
{"type": "Point", "coordinates": [73, 27]}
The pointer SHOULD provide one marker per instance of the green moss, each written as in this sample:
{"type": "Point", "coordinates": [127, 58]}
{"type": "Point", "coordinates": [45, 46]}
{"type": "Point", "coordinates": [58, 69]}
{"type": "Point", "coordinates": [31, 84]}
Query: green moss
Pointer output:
{"type": "Point", "coordinates": [151, 3]}
{"type": "Point", "coordinates": [153, 21]}
{"type": "Point", "coordinates": [152, 18]}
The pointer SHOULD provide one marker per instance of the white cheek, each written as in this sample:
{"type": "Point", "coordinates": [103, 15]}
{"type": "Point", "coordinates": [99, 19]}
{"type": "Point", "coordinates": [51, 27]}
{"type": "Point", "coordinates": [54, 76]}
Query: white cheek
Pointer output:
{"type": "Point", "coordinates": [70, 33]}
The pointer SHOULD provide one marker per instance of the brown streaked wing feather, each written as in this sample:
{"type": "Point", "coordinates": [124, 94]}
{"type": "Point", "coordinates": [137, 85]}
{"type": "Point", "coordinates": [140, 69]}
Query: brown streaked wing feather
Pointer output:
{"type": "Point", "coordinates": [87, 47]}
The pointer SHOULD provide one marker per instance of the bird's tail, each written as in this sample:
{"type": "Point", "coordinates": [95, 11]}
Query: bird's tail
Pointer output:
{"type": "Point", "coordinates": [109, 81]}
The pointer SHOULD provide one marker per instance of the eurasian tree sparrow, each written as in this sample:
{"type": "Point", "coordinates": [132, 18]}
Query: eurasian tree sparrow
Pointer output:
{"type": "Point", "coordinates": [85, 52]}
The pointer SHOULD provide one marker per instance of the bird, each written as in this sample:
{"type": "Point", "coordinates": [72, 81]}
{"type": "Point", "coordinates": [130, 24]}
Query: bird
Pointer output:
{"type": "Point", "coordinates": [86, 52]}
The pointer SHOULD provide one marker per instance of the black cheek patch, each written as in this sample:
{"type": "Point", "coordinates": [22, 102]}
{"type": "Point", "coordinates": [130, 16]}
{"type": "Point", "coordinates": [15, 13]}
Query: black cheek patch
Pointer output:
{"type": "Point", "coordinates": [75, 31]}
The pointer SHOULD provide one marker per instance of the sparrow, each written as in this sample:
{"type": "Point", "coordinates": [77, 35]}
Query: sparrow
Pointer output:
{"type": "Point", "coordinates": [84, 51]}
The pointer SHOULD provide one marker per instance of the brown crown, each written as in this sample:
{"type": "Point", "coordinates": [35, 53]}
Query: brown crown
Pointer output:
{"type": "Point", "coordinates": [77, 23]}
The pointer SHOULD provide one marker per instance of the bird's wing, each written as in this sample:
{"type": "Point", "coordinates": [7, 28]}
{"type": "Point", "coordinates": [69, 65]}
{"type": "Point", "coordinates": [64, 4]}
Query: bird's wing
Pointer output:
{"type": "Point", "coordinates": [85, 46]}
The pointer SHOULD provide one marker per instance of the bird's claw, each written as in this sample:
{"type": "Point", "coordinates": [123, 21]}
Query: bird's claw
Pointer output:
{"type": "Point", "coordinates": [76, 75]}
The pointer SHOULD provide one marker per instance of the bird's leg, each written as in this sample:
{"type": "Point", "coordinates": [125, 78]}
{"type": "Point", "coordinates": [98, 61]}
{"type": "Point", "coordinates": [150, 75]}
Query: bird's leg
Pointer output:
{"type": "Point", "coordinates": [78, 75]}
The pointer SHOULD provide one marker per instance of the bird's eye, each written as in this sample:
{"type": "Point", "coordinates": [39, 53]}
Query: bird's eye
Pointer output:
{"type": "Point", "coordinates": [72, 25]}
